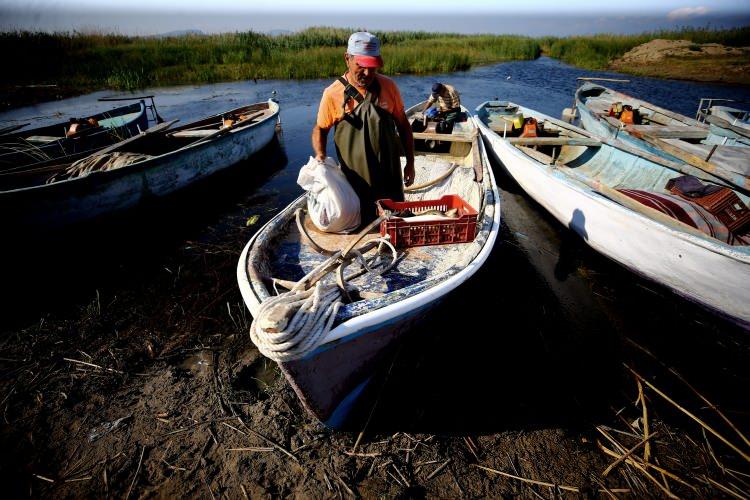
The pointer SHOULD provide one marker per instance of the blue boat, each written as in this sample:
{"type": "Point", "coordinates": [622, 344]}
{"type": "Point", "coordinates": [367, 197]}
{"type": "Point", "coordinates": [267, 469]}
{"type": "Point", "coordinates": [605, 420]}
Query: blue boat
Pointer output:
{"type": "Point", "coordinates": [663, 133]}
{"type": "Point", "coordinates": [73, 138]}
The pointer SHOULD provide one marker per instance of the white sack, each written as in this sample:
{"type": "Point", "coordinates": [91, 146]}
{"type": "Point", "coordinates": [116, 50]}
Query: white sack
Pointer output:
{"type": "Point", "coordinates": [331, 201]}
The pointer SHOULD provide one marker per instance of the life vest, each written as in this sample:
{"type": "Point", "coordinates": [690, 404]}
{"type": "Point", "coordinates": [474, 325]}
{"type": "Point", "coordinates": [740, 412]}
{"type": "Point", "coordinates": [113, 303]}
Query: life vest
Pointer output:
{"type": "Point", "coordinates": [628, 115]}
{"type": "Point", "coordinates": [529, 128]}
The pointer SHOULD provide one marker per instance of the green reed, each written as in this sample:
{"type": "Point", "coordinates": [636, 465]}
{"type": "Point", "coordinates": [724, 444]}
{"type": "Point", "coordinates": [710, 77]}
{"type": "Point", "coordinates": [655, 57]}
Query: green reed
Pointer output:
{"type": "Point", "coordinates": [88, 61]}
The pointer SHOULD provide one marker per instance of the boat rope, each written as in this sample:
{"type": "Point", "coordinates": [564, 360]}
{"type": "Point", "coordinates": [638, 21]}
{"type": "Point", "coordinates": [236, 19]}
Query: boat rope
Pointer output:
{"type": "Point", "coordinates": [294, 323]}
{"type": "Point", "coordinates": [433, 181]}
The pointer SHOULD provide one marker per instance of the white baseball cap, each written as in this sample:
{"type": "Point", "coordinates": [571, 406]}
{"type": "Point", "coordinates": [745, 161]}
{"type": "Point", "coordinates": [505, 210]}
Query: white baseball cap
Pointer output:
{"type": "Point", "coordinates": [365, 47]}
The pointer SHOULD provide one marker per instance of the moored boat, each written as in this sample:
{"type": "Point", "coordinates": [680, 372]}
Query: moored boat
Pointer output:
{"type": "Point", "coordinates": [377, 309]}
{"type": "Point", "coordinates": [72, 138]}
{"type": "Point", "coordinates": [608, 113]}
{"type": "Point", "coordinates": [731, 124]}
{"type": "Point", "coordinates": [606, 191]}
{"type": "Point", "coordinates": [156, 162]}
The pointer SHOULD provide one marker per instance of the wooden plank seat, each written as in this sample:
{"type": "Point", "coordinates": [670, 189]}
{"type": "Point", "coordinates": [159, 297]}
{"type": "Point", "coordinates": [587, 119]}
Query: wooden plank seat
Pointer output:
{"type": "Point", "coordinates": [553, 141]}
{"type": "Point", "coordinates": [444, 137]}
{"type": "Point", "coordinates": [667, 132]}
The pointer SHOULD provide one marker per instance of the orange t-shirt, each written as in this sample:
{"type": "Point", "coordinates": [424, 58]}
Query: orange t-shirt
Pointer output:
{"type": "Point", "coordinates": [331, 111]}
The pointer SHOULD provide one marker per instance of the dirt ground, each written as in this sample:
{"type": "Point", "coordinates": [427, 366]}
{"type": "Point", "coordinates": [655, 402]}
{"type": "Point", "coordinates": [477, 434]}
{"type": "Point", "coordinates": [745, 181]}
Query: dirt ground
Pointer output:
{"type": "Point", "coordinates": [139, 380]}
{"type": "Point", "coordinates": [685, 60]}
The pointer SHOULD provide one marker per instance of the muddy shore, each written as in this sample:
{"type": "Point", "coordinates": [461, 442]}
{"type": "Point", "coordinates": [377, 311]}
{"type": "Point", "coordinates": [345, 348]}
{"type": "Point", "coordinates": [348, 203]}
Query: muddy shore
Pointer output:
{"type": "Point", "coordinates": [137, 377]}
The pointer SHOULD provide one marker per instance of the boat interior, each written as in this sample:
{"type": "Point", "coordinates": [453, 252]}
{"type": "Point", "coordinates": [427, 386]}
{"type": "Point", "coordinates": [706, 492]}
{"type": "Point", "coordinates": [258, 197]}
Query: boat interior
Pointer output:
{"type": "Point", "coordinates": [647, 119]}
{"type": "Point", "coordinates": [288, 256]}
{"type": "Point", "coordinates": [57, 132]}
{"type": "Point", "coordinates": [190, 133]}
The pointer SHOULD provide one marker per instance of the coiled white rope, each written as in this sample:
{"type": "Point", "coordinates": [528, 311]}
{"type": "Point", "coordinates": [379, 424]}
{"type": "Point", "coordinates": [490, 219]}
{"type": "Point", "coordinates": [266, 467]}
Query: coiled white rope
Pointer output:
{"type": "Point", "coordinates": [282, 339]}
{"type": "Point", "coordinates": [294, 323]}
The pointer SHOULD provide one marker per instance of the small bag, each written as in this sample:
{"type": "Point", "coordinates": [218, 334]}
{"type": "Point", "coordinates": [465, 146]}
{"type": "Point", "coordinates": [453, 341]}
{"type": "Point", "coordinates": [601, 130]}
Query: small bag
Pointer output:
{"type": "Point", "coordinates": [331, 201]}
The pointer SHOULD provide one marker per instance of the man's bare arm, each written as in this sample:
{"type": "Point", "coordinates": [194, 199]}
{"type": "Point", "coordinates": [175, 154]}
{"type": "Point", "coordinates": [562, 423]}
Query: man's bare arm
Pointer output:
{"type": "Point", "coordinates": [319, 139]}
{"type": "Point", "coordinates": [407, 139]}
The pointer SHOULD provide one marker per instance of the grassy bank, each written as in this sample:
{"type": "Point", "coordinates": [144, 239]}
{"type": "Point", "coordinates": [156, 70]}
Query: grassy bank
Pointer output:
{"type": "Point", "coordinates": [88, 61]}
{"type": "Point", "coordinates": [44, 66]}
{"type": "Point", "coordinates": [596, 52]}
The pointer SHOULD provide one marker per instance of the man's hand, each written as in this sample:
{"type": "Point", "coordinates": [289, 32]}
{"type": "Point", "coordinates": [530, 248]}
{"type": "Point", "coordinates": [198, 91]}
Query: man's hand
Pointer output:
{"type": "Point", "coordinates": [409, 173]}
{"type": "Point", "coordinates": [319, 136]}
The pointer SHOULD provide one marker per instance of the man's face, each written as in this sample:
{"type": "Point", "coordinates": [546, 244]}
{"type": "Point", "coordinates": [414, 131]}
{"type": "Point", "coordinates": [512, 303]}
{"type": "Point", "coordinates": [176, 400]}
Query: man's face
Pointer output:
{"type": "Point", "coordinates": [362, 77]}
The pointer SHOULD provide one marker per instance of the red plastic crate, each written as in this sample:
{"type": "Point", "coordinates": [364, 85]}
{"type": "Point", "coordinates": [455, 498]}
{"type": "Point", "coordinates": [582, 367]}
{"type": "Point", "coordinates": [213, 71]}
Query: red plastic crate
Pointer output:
{"type": "Point", "coordinates": [404, 233]}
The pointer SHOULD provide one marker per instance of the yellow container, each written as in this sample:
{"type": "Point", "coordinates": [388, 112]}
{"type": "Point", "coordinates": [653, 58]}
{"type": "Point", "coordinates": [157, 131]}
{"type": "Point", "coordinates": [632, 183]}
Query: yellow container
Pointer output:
{"type": "Point", "coordinates": [518, 120]}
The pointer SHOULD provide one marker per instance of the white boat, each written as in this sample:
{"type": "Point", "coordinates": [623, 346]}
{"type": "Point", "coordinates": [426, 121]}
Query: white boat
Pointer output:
{"type": "Point", "coordinates": [731, 124]}
{"type": "Point", "coordinates": [577, 177]}
{"type": "Point", "coordinates": [330, 376]}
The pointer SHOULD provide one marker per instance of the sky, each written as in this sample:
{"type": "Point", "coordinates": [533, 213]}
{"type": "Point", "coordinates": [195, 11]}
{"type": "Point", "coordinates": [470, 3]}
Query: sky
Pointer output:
{"type": "Point", "coordinates": [532, 17]}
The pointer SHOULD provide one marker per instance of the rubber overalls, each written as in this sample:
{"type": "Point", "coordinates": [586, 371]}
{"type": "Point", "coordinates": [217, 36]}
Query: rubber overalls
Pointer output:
{"type": "Point", "coordinates": [367, 149]}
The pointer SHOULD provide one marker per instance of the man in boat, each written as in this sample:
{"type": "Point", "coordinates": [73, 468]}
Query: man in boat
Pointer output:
{"type": "Point", "coordinates": [448, 104]}
{"type": "Point", "coordinates": [366, 108]}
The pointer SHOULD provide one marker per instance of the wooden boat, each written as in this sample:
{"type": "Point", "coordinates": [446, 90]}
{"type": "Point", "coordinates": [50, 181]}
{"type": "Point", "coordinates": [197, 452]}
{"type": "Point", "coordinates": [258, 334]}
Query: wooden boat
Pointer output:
{"type": "Point", "coordinates": [154, 163]}
{"type": "Point", "coordinates": [37, 145]}
{"type": "Point", "coordinates": [330, 377]}
{"type": "Point", "coordinates": [664, 133]}
{"type": "Point", "coordinates": [578, 178]}
{"type": "Point", "coordinates": [732, 125]}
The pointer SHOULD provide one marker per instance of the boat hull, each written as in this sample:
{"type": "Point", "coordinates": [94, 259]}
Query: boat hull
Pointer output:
{"type": "Point", "coordinates": [349, 366]}
{"type": "Point", "coordinates": [700, 272]}
{"type": "Point", "coordinates": [67, 202]}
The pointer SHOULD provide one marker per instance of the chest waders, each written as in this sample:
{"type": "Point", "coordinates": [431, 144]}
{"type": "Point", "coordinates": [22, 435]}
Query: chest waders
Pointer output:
{"type": "Point", "coordinates": [367, 149]}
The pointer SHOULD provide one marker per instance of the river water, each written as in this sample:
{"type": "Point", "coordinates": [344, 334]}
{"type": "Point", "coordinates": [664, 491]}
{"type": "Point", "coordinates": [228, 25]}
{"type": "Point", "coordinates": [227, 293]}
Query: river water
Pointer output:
{"type": "Point", "coordinates": [535, 338]}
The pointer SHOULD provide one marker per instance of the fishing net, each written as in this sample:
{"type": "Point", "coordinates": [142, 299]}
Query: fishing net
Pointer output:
{"type": "Point", "coordinates": [460, 182]}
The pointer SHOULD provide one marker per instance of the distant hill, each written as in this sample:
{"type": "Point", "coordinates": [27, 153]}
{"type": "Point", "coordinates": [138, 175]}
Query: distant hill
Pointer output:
{"type": "Point", "coordinates": [176, 33]}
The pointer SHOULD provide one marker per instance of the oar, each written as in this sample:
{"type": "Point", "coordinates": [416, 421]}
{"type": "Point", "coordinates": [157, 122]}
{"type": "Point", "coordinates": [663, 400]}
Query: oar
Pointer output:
{"type": "Point", "coordinates": [224, 130]}
{"type": "Point", "coordinates": [722, 123]}
{"type": "Point", "coordinates": [734, 180]}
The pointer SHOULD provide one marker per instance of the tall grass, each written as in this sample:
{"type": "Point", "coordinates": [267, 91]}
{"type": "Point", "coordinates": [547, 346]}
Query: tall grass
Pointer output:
{"type": "Point", "coordinates": [89, 61]}
{"type": "Point", "coordinates": [597, 51]}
